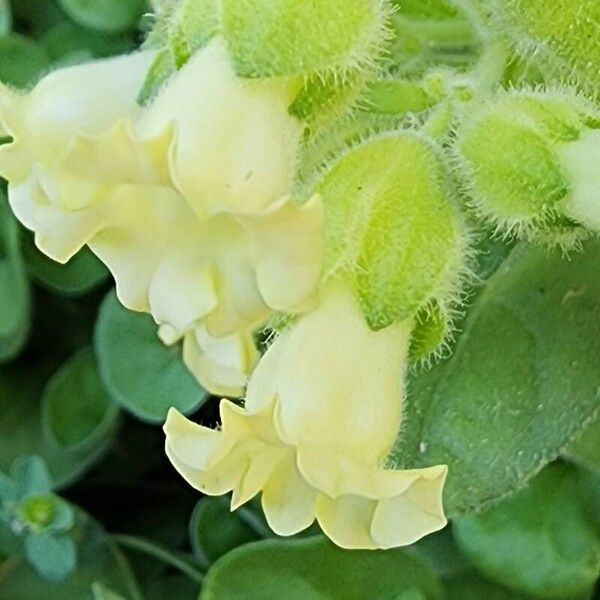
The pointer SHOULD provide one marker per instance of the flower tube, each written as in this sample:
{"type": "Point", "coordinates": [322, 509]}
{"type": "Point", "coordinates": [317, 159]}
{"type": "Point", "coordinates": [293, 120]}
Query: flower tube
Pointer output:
{"type": "Point", "coordinates": [322, 411]}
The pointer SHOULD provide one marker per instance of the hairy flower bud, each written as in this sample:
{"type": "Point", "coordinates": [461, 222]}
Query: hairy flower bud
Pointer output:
{"type": "Point", "coordinates": [527, 159]}
{"type": "Point", "coordinates": [393, 229]}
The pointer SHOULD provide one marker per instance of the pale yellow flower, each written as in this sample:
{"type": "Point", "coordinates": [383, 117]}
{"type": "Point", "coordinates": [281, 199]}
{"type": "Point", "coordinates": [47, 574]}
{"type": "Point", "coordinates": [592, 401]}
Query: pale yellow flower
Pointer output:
{"type": "Point", "coordinates": [234, 144]}
{"type": "Point", "coordinates": [186, 200]}
{"type": "Point", "coordinates": [322, 411]}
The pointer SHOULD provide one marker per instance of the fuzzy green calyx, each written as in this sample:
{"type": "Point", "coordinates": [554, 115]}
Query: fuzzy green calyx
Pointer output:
{"type": "Point", "coordinates": [274, 38]}
{"type": "Point", "coordinates": [331, 48]}
{"type": "Point", "coordinates": [431, 330]}
{"type": "Point", "coordinates": [391, 228]}
{"type": "Point", "coordinates": [181, 28]}
{"type": "Point", "coordinates": [558, 34]}
{"type": "Point", "coordinates": [509, 154]}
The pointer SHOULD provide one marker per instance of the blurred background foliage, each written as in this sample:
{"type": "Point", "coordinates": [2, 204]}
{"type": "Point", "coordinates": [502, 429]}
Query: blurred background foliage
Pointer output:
{"type": "Point", "coordinates": [89, 506]}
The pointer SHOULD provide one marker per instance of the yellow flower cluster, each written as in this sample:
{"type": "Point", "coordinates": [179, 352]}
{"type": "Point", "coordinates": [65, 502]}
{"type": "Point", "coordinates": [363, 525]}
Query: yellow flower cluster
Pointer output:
{"type": "Point", "coordinates": [187, 201]}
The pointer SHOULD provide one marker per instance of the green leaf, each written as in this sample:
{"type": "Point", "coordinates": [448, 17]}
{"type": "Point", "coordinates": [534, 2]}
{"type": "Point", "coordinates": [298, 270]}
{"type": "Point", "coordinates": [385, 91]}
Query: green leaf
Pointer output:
{"type": "Point", "coordinates": [270, 38]}
{"type": "Point", "coordinates": [585, 450]}
{"type": "Point", "coordinates": [215, 530]}
{"type": "Point", "coordinates": [67, 39]}
{"type": "Point", "coordinates": [77, 410]}
{"type": "Point", "coordinates": [101, 592]}
{"type": "Point", "coordinates": [590, 490]}
{"type": "Point", "coordinates": [5, 17]}
{"type": "Point", "coordinates": [523, 380]}
{"type": "Point", "coordinates": [172, 587]}
{"type": "Point", "coordinates": [82, 273]}
{"type": "Point", "coordinates": [471, 585]}
{"type": "Point", "coordinates": [110, 16]}
{"type": "Point", "coordinates": [15, 301]}
{"type": "Point", "coordinates": [141, 373]}
{"type": "Point", "coordinates": [31, 476]}
{"type": "Point", "coordinates": [98, 562]}
{"type": "Point", "coordinates": [53, 557]}
{"type": "Point", "coordinates": [315, 569]}
{"type": "Point", "coordinates": [23, 432]}
{"type": "Point", "coordinates": [36, 16]}
{"type": "Point", "coordinates": [540, 541]}
{"type": "Point", "coordinates": [22, 61]}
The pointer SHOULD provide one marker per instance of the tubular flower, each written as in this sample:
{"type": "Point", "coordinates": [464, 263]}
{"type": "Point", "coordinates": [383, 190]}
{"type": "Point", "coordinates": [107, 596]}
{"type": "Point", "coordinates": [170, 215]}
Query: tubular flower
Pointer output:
{"type": "Point", "coordinates": [184, 200]}
{"type": "Point", "coordinates": [322, 410]}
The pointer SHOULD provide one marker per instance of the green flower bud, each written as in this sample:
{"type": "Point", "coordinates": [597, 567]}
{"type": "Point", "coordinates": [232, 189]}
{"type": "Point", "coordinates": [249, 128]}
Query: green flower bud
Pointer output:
{"type": "Point", "coordinates": [37, 512]}
{"type": "Point", "coordinates": [274, 38]}
{"type": "Point", "coordinates": [557, 34]}
{"type": "Point", "coordinates": [329, 50]}
{"type": "Point", "coordinates": [393, 231]}
{"type": "Point", "coordinates": [520, 156]}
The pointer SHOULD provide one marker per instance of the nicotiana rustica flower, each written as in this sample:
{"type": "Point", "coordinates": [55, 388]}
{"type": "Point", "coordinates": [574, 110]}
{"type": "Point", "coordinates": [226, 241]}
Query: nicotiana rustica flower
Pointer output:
{"type": "Point", "coordinates": [322, 411]}
{"type": "Point", "coordinates": [184, 200]}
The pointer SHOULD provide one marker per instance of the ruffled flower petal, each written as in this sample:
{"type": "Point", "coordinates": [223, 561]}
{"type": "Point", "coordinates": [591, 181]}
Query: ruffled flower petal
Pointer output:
{"type": "Point", "coordinates": [184, 200]}
{"type": "Point", "coordinates": [323, 409]}
{"type": "Point", "coordinates": [221, 364]}
{"type": "Point", "coordinates": [80, 100]}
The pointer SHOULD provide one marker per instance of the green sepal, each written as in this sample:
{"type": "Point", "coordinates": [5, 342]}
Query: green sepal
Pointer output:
{"type": "Point", "coordinates": [274, 38]}
{"type": "Point", "coordinates": [392, 228]}
{"type": "Point", "coordinates": [181, 28]}
{"type": "Point", "coordinates": [557, 35]}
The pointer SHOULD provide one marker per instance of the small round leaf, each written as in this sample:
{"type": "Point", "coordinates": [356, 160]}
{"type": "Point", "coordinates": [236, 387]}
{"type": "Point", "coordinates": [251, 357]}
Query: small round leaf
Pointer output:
{"type": "Point", "coordinates": [140, 372]}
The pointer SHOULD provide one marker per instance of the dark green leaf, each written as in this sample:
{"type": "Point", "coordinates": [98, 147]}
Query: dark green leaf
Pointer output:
{"type": "Point", "coordinates": [22, 61]}
{"type": "Point", "coordinates": [143, 374]}
{"type": "Point", "coordinates": [585, 449]}
{"type": "Point", "coordinates": [215, 530]}
{"type": "Point", "coordinates": [77, 409]}
{"type": "Point", "coordinates": [67, 39]}
{"type": "Point", "coordinates": [471, 585]}
{"type": "Point", "coordinates": [105, 15]}
{"type": "Point", "coordinates": [523, 380]}
{"type": "Point", "coordinates": [540, 541]}
{"type": "Point", "coordinates": [82, 273]}
{"type": "Point", "coordinates": [172, 587]}
{"type": "Point", "coordinates": [314, 569]}
{"type": "Point", "coordinates": [5, 17]}
{"type": "Point", "coordinates": [15, 298]}
{"type": "Point", "coordinates": [22, 430]}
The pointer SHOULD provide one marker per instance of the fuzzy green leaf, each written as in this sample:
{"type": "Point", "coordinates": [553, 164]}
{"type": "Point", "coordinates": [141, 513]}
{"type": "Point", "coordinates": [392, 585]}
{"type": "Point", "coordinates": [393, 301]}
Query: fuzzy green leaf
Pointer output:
{"type": "Point", "coordinates": [523, 380]}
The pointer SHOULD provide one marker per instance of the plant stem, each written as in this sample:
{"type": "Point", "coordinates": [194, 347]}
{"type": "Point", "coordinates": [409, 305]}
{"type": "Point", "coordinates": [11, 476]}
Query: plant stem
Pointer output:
{"type": "Point", "coordinates": [152, 549]}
